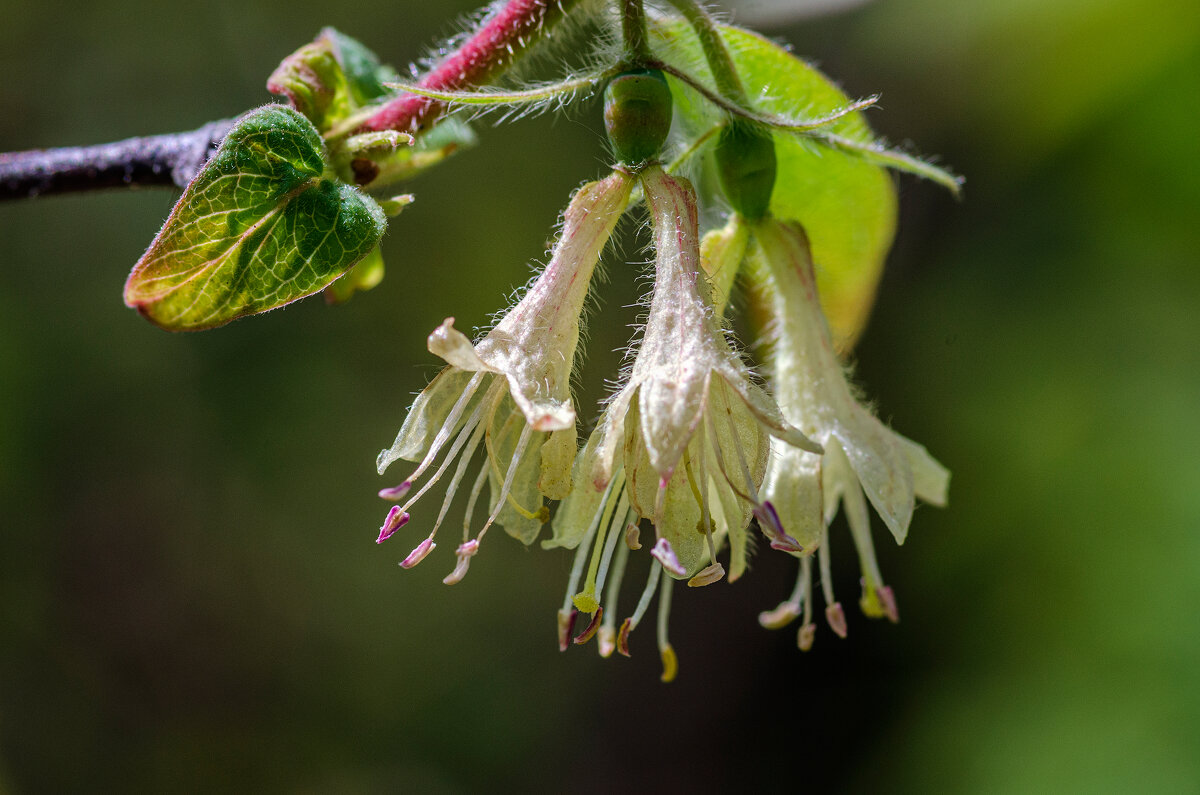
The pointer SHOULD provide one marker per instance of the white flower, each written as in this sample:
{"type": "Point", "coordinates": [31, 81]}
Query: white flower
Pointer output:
{"type": "Point", "coordinates": [862, 455]}
{"type": "Point", "coordinates": [510, 392]}
{"type": "Point", "coordinates": [684, 443]}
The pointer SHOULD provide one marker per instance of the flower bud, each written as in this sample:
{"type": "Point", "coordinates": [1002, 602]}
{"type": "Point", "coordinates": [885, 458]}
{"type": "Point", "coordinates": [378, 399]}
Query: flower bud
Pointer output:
{"type": "Point", "coordinates": [637, 115]}
{"type": "Point", "coordinates": [746, 168]}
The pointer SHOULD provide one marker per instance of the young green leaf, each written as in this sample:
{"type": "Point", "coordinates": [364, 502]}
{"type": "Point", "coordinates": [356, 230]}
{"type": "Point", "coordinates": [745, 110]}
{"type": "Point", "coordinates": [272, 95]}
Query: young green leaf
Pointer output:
{"type": "Point", "coordinates": [331, 78]}
{"type": "Point", "coordinates": [261, 225]}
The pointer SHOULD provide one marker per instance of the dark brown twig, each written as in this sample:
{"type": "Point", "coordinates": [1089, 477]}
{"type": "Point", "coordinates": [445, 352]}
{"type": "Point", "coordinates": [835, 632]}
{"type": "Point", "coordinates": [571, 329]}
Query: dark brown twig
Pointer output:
{"type": "Point", "coordinates": [151, 161]}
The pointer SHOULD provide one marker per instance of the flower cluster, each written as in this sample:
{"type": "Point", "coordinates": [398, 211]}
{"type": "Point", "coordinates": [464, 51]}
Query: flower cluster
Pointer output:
{"type": "Point", "coordinates": [692, 444]}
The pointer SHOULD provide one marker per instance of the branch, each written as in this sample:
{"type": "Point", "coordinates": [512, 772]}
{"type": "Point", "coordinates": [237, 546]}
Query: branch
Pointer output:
{"type": "Point", "coordinates": [494, 45]}
{"type": "Point", "coordinates": [156, 160]}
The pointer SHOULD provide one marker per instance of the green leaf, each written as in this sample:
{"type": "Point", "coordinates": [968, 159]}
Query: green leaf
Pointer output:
{"type": "Point", "coordinates": [847, 204]}
{"type": "Point", "coordinates": [363, 276]}
{"type": "Point", "coordinates": [331, 78]}
{"type": "Point", "coordinates": [261, 225]}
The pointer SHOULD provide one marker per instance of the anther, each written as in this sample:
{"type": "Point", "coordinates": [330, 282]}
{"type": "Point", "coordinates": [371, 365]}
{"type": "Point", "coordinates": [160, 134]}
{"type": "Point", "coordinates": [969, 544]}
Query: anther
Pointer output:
{"type": "Point", "coordinates": [465, 552]}
{"type": "Point", "coordinates": [836, 618]}
{"type": "Point", "coordinates": [665, 555]}
{"type": "Point", "coordinates": [591, 628]}
{"type": "Point", "coordinates": [396, 492]}
{"type": "Point", "coordinates": [566, 624]}
{"type": "Point", "coordinates": [396, 519]}
{"type": "Point", "coordinates": [707, 576]}
{"type": "Point", "coordinates": [418, 554]}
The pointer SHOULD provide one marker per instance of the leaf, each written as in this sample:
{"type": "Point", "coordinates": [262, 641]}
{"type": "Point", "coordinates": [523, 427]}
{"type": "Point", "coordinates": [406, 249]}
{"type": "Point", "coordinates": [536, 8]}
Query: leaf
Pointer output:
{"type": "Point", "coordinates": [261, 225]}
{"type": "Point", "coordinates": [365, 275]}
{"type": "Point", "coordinates": [331, 78]}
{"type": "Point", "coordinates": [847, 204]}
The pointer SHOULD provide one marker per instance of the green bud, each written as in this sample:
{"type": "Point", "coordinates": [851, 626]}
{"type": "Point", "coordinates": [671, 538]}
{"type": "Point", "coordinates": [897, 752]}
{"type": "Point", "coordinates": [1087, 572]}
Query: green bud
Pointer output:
{"type": "Point", "coordinates": [637, 115]}
{"type": "Point", "coordinates": [746, 168]}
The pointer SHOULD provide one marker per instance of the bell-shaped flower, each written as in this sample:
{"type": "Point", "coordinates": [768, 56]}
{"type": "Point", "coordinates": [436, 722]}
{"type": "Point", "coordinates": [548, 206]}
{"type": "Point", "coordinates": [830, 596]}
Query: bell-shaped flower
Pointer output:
{"type": "Point", "coordinates": [509, 392]}
{"type": "Point", "coordinates": [862, 455]}
{"type": "Point", "coordinates": [684, 443]}
{"type": "Point", "coordinates": [690, 411]}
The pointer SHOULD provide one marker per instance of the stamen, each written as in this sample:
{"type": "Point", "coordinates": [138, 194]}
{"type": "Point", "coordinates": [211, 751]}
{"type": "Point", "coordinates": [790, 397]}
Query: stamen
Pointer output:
{"type": "Point", "coordinates": [465, 552]}
{"type": "Point", "coordinates": [787, 611]}
{"type": "Point", "coordinates": [772, 528]}
{"type": "Point", "coordinates": [476, 489]}
{"type": "Point", "coordinates": [808, 630]}
{"type": "Point", "coordinates": [566, 623]}
{"type": "Point", "coordinates": [591, 628]}
{"type": "Point", "coordinates": [610, 544]}
{"type": "Point", "coordinates": [444, 433]}
{"type": "Point", "coordinates": [633, 534]}
{"type": "Point", "coordinates": [834, 614]}
{"type": "Point", "coordinates": [586, 599]}
{"type": "Point", "coordinates": [464, 435]}
{"type": "Point", "coordinates": [643, 604]}
{"type": "Point", "coordinates": [836, 618]}
{"type": "Point", "coordinates": [396, 492]}
{"type": "Point", "coordinates": [877, 599]}
{"type": "Point", "coordinates": [418, 554]}
{"type": "Point", "coordinates": [665, 555]}
{"type": "Point", "coordinates": [669, 660]}
{"type": "Point", "coordinates": [708, 575]}
{"type": "Point", "coordinates": [396, 518]}
{"type": "Point", "coordinates": [506, 487]}
{"type": "Point", "coordinates": [463, 462]}
{"type": "Point", "coordinates": [608, 639]}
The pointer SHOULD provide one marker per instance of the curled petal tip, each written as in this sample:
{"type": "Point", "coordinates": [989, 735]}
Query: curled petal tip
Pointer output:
{"type": "Point", "coordinates": [418, 554]}
{"type": "Point", "coordinates": [395, 519]}
{"type": "Point", "coordinates": [396, 492]}
{"type": "Point", "coordinates": [566, 624]}
{"type": "Point", "coordinates": [805, 637]}
{"type": "Point", "coordinates": [666, 556]}
{"type": "Point", "coordinates": [707, 576]}
{"type": "Point", "coordinates": [837, 619]}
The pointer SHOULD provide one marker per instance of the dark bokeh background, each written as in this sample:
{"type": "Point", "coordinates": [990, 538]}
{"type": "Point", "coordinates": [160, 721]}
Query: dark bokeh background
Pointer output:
{"type": "Point", "coordinates": [190, 595]}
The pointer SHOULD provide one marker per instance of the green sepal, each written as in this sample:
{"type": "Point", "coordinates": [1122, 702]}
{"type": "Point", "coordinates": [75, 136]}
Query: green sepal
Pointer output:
{"type": "Point", "coordinates": [260, 226]}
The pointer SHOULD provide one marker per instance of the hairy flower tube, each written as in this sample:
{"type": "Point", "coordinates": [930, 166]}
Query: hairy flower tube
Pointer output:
{"type": "Point", "coordinates": [684, 443]}
{"type": "Point", "coordinates": [510, 392]}
{"type": "Point", "coordinates": [864, 460]}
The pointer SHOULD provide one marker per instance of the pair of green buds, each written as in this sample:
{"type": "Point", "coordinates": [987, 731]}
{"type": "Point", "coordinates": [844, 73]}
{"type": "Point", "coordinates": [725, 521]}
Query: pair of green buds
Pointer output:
{"type": "Point", "coordinates": [637, 118]}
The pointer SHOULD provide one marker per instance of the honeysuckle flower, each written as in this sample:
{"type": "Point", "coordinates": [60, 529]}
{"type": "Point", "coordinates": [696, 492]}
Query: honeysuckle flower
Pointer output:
{"type": "Point", "coordinates": [864, 460]}
{"type": "Point", "coordinates": [684, 443]}
{"type": "Point", "coordinates": [509, 392]}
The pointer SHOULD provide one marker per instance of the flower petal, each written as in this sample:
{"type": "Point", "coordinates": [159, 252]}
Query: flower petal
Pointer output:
{"type": "Point", "coordinates": [534, 343]}
{"type": "Point", "coordinates": [428, 415]}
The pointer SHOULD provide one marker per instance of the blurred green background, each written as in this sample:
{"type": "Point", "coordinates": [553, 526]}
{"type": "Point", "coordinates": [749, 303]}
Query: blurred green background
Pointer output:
{"type": "Point", "coordinates": [190, 595]}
